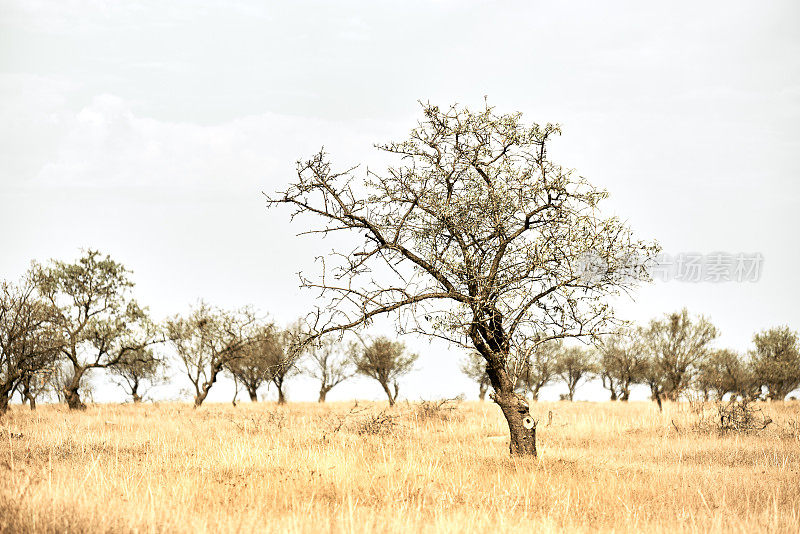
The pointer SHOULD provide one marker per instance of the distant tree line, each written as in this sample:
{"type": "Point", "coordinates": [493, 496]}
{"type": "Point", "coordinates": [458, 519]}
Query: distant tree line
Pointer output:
{"type": "Point", "coordinates": [63, 321]}
{"type": "Point", "coordinates": [672, 356]}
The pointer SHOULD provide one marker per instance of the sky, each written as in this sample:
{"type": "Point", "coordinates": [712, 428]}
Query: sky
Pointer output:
{"type": "Point", "coordinates": [149, 130]}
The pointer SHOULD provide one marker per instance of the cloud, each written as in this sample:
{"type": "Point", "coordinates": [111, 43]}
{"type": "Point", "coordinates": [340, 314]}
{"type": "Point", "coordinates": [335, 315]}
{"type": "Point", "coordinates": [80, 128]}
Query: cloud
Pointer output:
{"type": "Point", "coordinates": [107, 144]}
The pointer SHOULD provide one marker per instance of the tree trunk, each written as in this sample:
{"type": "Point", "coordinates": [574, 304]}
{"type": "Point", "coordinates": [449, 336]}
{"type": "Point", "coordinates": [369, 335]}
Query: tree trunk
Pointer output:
{"type": "Point", "coordinates": [388, 391]}
{"type": "Point", "coordinates": [71, 391]}
{"type": "Point", "coordinates": [3, 404]}
{"type": "Point", "coordinates": [135, 393]}
{"type": "Point", "coordinates": [137, 399]}
{"type": "Point", "coordinates": [613, 395]}
{"type": "Point", "coordinates": [482, 391]}
{"type": "Point", "coordinates": [252, 393]}
{"type": "Point", "coordinates": [32, 401]}
{"type": "Point", "coordinates": [323, 393]}
{"type": "Point", "coordinates": [520, 424]}
{"type": "Point", "coordinates": [281, 396]}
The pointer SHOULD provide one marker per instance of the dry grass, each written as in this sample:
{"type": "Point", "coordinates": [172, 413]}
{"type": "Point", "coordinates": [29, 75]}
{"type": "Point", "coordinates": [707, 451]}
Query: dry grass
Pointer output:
{"type": "Point", "coordinates": [310, 468]}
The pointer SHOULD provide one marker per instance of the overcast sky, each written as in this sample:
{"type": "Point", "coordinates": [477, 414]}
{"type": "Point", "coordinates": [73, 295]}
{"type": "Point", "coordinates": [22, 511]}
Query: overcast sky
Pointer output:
{"type": "Point", "coordinates": [149, 129]}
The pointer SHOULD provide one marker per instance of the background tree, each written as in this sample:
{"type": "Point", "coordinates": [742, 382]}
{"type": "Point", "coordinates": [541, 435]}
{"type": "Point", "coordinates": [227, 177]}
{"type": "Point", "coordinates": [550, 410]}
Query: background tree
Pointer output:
{"type": "Point", "coordinates": [331, 363]}
{"type": "Point", "coordinates": [257, 360]}
{"type": "Point", "coordinates": [207, 341]}
{"type": "Point", "coordinates": [776, 361]}
{"type": "Point", "coordinates": [97, 321]}
{"type": "Point", "coordinates": [28, 343]}
{"type": "Point", "coordinates": [475, 236]}
{"type": "Point", "coordinates": [385, 361]}
{"type": "Point", "coordinates": [573, 365]}
{"type": "Point", "coordinates": [725, 371]}
{"type": "Point", "coordinates": [475, 368]}
{"type": "Point", "coordinates": [677, 344]}
{"type": "Point", "coordinates": [622, 362]}
{"type": "Point", "coordinates": [137, 372]}
{"type": "Point", "coordinates": [539, 366]}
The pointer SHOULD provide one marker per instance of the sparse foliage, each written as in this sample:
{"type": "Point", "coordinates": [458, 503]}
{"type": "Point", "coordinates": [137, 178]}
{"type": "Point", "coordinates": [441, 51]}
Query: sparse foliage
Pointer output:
{"type": "Point", "coordinates": [622, 363]}
{"type": "Point", "coordinates": [137, 372]}
{"type": "Point", "coordinates": [724, 371]}
{"type": "Point", "coordinates": [475, 237]}
{"type": "Point", "coordinates": [331, 363]}
{"type": "Point", "coordinates": [677, 344]}
{"type": "Point", "coordinates": [776, 361]}
{"type": "Point", "coordinates": [28, 343]}
{"type": "Point", "coordinates": [475, 368]}
{"type": "Point", "coordinates": [385, 361]}
{"type": "Point", "coordinates": [256, 361]}
{"type": "Point", "coordinates": [208, 340]}
{"type": "Point", "coordinates": [574, 364]}
{"type": "Point", "coordinates": [97, 321]}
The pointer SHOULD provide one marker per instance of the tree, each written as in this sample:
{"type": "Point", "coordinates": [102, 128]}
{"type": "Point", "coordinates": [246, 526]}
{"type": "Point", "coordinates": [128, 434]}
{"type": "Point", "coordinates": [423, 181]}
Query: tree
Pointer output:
{"type": "Point", "coordinates": [475, 368]}
{"type": "Point", "coordinates": [538, 366]}
{"type": "Point", "coordinates": [776, 361]}
{"type": "Point", "coordinates": [99, 323]}
{"type": "Point", "coordinates": [622, 363]}
{"type": "Point", "coordinates": [677, 344]}
{"type": "Point", "coordinates": [475, 236]}
{"type": "Point", "coordinates": [28, 344]}
{"type": "Point", "coordinates": [330, 362]}
{"type": "Point", "coordinates": [572, 365]}
{"type": "Point", "coordinates": [725, 371]}
{"type": "Point", "coordinates": [385, 361]}
{"type": "Point", "coordinates": [137, 372]}
{"type": "Point", "coordinates": [257, 361]}
{"type": "Point", "coordinates": [207, 341]}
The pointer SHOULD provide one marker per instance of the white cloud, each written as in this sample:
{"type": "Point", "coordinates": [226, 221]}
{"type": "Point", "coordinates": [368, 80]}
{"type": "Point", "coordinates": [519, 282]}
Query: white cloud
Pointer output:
{"type": "Point", "coordinates": [108, 144]}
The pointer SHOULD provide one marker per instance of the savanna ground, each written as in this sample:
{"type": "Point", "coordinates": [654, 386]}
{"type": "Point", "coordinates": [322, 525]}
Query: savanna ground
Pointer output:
{"type": "Point", "coordinates": [335, 468]}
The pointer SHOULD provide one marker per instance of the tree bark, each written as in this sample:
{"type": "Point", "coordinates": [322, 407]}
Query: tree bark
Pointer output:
{"type": "Point", "coordinates": [517, 414]}
{"type": "Point", "coordinates": [281, 396]}
{"type": "Point", "coordinates": [482, 391]}
{"type": "Point", "coordinates": [323, 393]}
{"type": "Point", "coordinates": [252, 393]}
{"type": "Point", "coordinates": [3, 404]}
{"type": "Point", "coordinates": [389, 393]}
{"type": "Point", "coordinates": [71, 390]}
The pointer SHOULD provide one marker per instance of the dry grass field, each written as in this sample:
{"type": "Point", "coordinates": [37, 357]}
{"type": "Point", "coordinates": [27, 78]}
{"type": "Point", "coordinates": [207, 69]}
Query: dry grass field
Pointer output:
{"type": "Point", "coordinates": [330, 468]}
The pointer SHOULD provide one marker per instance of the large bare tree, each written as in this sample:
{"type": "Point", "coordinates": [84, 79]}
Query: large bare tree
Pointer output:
{"type": "Point", "coordinates": [99, 324]}
{"type": "Point", "coordinates": [475, 236]}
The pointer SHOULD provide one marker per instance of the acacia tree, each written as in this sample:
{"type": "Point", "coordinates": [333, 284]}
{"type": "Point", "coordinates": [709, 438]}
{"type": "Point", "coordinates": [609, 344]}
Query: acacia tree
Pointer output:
{"type": "Point", "coordinates": [539, 366]}
{"type": "Point", "coordinates": [257, 360]}
{"type": "Point", "coordinates": [622, 363]}
{"type": "Point", "coordinates": [475, 368]}
{"type": "Point", "coordinates": [137, 372]}
{"type": "Point", "coordinates": [474, 236]}
{"type": "Point", "coordinates": [725, 371]}
{"type": "Point", "coordinates": [385, 361]}
{"type": "Point", "coordinates": [207, 341]}
{"type": "Point", "coordinates": [28, 344]}
{"type": "Point", "coordinates": [330, 362]}
{"type": "Point", "coordinates": [677, 345]}
{"type": "Point", "coordinates": [573, 365]}
{"type": "Point", "coordinates": [97, 321]}
{"type": "Point", "coordinates": [776, 361]}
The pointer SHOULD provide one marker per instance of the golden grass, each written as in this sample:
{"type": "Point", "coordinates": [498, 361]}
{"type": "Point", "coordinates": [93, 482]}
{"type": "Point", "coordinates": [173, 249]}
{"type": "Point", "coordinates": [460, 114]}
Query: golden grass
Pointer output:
{"type": "Point", "coordinates": [311, 468]}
